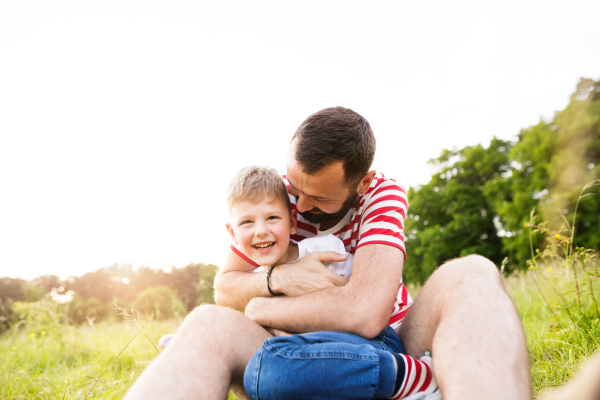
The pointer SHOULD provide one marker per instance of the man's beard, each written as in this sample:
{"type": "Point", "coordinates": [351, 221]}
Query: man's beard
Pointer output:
{"type": "Point", "coordinates": [323, 217]}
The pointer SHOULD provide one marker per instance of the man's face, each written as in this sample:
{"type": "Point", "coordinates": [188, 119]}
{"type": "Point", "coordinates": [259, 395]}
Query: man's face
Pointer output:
{"type": "Point", "coordinates": [321, 197]}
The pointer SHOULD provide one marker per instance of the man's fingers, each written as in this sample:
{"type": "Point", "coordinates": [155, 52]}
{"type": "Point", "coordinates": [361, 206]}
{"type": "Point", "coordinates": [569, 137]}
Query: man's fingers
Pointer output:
{"type": "Point", "coordinates": [340, 280]}
{"type": "Point", "coordinates": [329, 256]}
{"type": "Point", "coordinates": [278, 332]}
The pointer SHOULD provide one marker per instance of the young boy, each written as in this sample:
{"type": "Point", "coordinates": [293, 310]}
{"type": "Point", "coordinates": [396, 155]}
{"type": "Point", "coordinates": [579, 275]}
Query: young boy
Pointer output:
{"type": "Point", "coordinates": [261, 222]}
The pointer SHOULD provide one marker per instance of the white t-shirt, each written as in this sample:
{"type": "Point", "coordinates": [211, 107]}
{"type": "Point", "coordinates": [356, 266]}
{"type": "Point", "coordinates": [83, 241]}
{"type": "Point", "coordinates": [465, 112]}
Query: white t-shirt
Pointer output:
{"type": "Point", "coordinates": [324, 243]}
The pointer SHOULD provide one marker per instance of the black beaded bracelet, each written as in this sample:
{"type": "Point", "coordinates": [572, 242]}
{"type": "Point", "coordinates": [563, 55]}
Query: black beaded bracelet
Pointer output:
{"type": "Point", "coordinates": [268, 286]}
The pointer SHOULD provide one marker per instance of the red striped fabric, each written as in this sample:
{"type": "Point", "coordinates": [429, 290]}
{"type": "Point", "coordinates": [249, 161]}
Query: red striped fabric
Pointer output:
{"type": "Point", "coordinates": [428, 377]}
{"type": "Point", "coordinates": [418, 371]}
{"type": "Point", "coordinates": [391, 220]}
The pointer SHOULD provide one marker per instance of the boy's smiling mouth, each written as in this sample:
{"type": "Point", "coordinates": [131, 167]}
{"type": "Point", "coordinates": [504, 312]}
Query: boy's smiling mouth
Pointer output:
{"type": "Point", "coordinates": [264, 246]}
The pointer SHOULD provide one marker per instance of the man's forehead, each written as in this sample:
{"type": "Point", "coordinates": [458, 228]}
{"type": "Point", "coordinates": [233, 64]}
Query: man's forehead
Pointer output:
{"type": "Point", "coordinates": [327, 183]}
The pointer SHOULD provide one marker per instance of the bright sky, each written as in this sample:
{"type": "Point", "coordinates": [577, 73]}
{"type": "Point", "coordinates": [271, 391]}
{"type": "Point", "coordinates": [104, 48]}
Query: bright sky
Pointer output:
{"type": "Point", "coordinates": [121, 122]}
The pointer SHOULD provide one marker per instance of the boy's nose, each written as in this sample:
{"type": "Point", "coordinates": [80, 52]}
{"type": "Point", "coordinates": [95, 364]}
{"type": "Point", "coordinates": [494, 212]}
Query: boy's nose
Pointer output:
{"type": "Point", "coordinates": [261, 229]}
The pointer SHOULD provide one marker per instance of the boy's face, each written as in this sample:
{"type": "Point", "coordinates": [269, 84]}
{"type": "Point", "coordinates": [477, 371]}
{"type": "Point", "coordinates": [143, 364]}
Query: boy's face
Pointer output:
{"type": "Point", "coordinates": [262, 230]}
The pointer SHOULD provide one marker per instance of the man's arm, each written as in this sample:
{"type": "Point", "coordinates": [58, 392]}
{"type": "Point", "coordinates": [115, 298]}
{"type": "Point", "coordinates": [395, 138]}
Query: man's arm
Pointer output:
{"type": "Point", "coordinates": [236, 284]}
{"type": "Point", "coordinates": [362, 307]}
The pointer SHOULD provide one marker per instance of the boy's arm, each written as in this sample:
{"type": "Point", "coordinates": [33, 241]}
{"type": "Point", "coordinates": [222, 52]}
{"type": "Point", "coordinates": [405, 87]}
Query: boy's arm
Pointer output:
{"type": "Point", "coordinates": [362, 307]}
{"type": "Point", "coordinates": [236, 284]}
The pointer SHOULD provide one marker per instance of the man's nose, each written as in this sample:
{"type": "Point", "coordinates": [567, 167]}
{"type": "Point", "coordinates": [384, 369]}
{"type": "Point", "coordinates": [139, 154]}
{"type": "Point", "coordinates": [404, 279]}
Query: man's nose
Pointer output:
{"type": "Point", "coordinates": [303, 203]}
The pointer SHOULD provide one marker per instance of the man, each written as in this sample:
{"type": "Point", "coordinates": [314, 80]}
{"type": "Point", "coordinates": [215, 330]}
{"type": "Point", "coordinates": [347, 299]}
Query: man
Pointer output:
{"type": "Point", "coordinates": [462, 314]}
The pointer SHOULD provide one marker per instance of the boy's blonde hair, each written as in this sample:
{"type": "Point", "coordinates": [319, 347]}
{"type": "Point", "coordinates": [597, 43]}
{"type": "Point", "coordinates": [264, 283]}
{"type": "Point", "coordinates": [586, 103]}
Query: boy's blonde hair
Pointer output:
{"type": "Point", "coordinates": [254, 184]}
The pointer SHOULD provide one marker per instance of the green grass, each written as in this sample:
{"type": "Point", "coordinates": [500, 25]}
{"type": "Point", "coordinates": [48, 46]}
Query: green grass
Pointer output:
{"type": "Point", "coordinates": [62, 361]}
{"type": "Point", "coordinates": [557, 342]}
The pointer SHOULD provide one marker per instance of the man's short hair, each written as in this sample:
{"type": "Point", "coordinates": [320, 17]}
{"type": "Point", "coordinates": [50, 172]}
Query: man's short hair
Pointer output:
{"type": "Point", "coordinates": [255, 184]}
{"type": "Point", "coordinates": [336, 134]}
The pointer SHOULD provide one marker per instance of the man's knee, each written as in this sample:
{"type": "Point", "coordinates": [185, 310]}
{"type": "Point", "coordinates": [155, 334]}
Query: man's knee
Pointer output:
{"type": "Point", "coordinates": [210, 316]}
{"type": "Point", "coordinates": [468, 270]}
{"type": "Point", "coordinates": [203, 313]}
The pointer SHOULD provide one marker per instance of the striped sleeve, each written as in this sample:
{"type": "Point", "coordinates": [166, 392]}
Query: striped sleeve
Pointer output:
{"type": "Point", "coordinates": [383, 216]}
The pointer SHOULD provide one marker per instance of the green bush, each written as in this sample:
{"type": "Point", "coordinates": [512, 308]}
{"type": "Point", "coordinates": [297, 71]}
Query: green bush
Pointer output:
{"type": "Point", "coordinates": [33, 293]}
{"type": "Point", "coordinates": [159, 302]}
{"type": "Point", "coordinates": [42, 315]}
{"type": "Point", "coordinates": [6, 314]}
{"type": "Point", "coordinates": [78, 311]}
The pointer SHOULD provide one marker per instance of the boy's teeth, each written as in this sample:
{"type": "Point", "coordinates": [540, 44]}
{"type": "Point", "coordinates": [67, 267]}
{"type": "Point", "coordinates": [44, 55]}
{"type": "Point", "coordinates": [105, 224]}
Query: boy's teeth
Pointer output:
{"type": "Point", "coordinates": [264, 246]}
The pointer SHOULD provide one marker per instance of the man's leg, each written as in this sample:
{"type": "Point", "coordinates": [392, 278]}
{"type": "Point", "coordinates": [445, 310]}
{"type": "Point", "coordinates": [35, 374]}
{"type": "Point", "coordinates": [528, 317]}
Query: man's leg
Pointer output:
{"type": "Point", "coordinates": [465, 318]}
{"type": "Point", "coordinates": [208, 354]}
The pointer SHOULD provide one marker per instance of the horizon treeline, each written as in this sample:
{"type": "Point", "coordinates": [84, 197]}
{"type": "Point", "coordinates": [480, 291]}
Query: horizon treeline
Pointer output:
{"type": "Point", "coordinates": [95, 292]}
{"type": "Point", "coordinates": [192, 284]}
{"type": "Point", "coordinates": [480, 200]}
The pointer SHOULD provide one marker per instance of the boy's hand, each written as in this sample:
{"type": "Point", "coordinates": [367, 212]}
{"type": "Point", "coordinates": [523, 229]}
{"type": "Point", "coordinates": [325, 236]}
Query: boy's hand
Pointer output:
{"type": "Point", "coordinates": [307, 274]}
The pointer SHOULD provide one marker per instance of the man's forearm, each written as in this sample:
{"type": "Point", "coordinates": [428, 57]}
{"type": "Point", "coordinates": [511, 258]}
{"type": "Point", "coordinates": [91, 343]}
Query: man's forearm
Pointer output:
{"type": "Point", "coordinates": [333, 309]}
{"type": "Point", "coordinates": [362, 307]}
{"type": "Point", "coordinates": [235, 289]}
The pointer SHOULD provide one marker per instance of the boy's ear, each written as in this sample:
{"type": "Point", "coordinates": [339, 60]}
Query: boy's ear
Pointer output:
{"type": "Point", "coordinates": [293, 222]}
{"type": "Point", "coordinates": [365, 182]}
{"type": "Point", "coordinates": [231, 232]}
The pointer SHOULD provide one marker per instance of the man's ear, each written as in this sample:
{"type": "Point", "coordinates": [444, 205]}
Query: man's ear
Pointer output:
{"type": "Point", "coordinates": [293, 222]}
{"type": "Point", "coordinates": [231, 232]}
{"type": "Point", "coordinates": [365, 182]}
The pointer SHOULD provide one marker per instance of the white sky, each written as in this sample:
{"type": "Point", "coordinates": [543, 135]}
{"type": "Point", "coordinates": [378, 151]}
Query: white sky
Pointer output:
{"type": "Point", "coordinates": [121, 122]}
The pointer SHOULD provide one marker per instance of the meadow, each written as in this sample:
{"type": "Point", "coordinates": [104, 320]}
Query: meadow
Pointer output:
{"type": "Point", "coordinates": [43, 358]}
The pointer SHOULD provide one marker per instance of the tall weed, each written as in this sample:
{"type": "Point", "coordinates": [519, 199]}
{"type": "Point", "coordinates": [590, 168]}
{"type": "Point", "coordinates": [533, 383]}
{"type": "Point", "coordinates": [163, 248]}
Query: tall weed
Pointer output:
{"type": "Point", "coordinates": [564, 325]}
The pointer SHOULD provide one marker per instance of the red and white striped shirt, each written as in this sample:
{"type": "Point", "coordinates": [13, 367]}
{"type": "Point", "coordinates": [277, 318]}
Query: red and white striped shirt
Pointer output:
{"type": "Point", "coordinates": [377, 219]}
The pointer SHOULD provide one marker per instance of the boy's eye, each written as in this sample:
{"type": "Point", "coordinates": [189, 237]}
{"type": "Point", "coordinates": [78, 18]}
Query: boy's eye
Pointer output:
{"type": "Point", "coordinates": [245, 222]}
{"type": "Point", "coordinates": [273, 217]}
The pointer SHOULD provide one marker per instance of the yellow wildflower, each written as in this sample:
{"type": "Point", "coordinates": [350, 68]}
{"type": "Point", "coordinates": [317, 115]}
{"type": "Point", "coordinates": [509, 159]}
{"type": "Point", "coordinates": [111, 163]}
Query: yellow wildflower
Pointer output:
{"type": "Point", "coordinates": [537, 250]}
{"type": "Point", "coordinates": [557, 236]}
{"type": "Point", "coordinates": [548, 269]}
{"type": "Point", "coordinates": [32, 335]}
{"type": "Point", "coordinates": [43, 333]}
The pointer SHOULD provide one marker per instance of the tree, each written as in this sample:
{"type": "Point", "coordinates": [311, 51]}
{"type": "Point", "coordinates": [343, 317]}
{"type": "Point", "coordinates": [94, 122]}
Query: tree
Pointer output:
{"type": "Point", "coordinates": [450, 216]}
{"type": "Point", "coordinates": [550, 164]}
{"type": "Point", "coordinates": [204, 287]}
{"type": "Point", "coordinates": [159, 302]}
{"type": "Point", "coordinates": [576, 163]}
{"type": "Point", "coordinates": [517, 192]}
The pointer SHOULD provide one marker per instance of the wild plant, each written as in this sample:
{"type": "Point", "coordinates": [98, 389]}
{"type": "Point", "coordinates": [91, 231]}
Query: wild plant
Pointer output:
{"type": "Point", "coordinates": [131, 316]}
{"type": "Point", "coordinates": [566, 280]}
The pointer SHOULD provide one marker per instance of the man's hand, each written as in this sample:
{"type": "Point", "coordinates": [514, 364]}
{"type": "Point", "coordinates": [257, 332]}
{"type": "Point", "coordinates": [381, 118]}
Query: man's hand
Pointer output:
{"type": "Point", "coordinates": [307, 274]}
{"type": "Point", "coordinates": [236, 285]}
{"type": "Point", "coordinates": [253, 310]}
{"type": "Point", "coordinates": [277, 332]}
{"type": "Point", "coordinates": [362, 307]}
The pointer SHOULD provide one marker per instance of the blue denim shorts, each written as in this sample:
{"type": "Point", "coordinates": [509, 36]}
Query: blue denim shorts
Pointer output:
{"type": "Point", "coordinates": [324, 365]}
